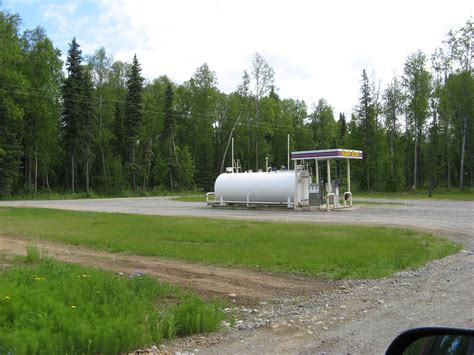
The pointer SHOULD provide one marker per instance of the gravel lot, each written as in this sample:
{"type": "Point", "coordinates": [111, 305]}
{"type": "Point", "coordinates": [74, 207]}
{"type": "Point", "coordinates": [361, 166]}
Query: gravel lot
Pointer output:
{"type": "Point", "coordinates": [455, 216]}
{"type": "Point", "coordinates": [358, 317]}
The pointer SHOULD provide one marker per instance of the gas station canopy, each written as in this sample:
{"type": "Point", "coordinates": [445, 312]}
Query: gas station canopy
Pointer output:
{"type": "Point", "coordinates": [327, 154]}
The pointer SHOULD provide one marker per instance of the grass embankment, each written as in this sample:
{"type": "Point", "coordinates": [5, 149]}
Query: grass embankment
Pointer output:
{"type": "Point", "coordinates": [54, 195]}
{"type": "Point", "coordinates": [325, 250]}
{"type": "Point", "coordinates": [422, 194]}
{"type": "Point", "coordinates": [48, 307]}
{"type": "Point", "coordinates": [197, 198]}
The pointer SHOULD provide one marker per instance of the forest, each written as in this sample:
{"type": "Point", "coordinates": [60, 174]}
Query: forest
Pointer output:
{"type": "Point", "coordinates": [92, 124]}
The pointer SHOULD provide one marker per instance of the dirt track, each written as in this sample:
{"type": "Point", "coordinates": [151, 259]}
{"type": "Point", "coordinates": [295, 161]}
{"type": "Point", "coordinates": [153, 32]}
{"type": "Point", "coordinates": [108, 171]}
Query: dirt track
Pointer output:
{"type": "Point", "coordinates": [351, 317]}
{"type": "Point", "coordinates": [209, 281]}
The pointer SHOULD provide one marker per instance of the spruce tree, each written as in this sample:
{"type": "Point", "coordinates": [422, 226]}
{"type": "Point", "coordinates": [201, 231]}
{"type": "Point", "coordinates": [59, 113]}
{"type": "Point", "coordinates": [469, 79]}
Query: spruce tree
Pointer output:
{"type": "Point", "coordinates": [86, 128]}
{"type": "Point", "coordinates": [342, 127]}
{"type": "Point", "coordinates": [133, 118]}
{"type": "Point", "coordinates": [365, 120]}
{"type": "Point", "coordinates": [72, 98]}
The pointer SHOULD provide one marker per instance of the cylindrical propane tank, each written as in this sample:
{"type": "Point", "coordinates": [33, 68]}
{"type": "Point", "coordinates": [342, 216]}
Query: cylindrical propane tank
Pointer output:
{"type": "Point", "coordinates": [274, 186]}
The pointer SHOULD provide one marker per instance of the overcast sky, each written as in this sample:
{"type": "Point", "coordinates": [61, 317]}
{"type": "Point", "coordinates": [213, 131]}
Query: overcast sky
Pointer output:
{"type": "Point", "coordinates": [317, 48]}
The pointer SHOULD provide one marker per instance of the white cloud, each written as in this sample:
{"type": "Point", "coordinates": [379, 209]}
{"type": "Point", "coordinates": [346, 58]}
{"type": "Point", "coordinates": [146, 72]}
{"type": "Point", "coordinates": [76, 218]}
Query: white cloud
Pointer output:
{"type": "Point", "coordinates": [318, 49]}
{"type": "Point", "coordinates": [60, 13]}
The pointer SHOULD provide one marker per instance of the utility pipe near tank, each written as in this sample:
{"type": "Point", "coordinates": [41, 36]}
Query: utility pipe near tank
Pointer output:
{"type": "Point", "coordinates": [233, 162]}
{"type": "Point", "coordinates": [317, 171]}
{"type": "Point", "coordinates": [330, 193]}
{"type": "Point", "coordinates": [295, 197]}
{"type": "Point", "coordinates": [348, 175]}
{"type": "Point", "coordinates": [348, 183]}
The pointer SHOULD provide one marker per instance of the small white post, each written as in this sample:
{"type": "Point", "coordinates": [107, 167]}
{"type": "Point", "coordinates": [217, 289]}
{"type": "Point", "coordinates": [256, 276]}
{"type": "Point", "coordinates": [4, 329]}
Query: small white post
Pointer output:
{"type": "Point", "coordinates": [295, 198]}
{"type": "Point", "coordinates": [288, 152]}
{"type": "Point", "coordinates": [266, 164]}
{"type": "Point", "coordinates": [348, 175]}
{"type": "Point", "coordinates": [329, 192]}
{"type": "Point", "coordinates": [329, 176]}
{"type": "Point", "coordinates": [349, 181]}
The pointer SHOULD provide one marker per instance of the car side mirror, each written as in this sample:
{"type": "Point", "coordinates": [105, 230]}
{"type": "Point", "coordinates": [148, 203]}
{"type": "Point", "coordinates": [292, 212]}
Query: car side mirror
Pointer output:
{"type": "Point", "coordinates": [433, 341]}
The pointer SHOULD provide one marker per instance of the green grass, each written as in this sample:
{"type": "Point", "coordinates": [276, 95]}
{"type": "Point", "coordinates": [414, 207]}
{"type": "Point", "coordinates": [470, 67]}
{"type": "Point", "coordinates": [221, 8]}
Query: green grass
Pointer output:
{"type": "Point", "coordinates": [369, 203]}
{"type": "Point", "coordinates": [326, 250]}
{"type": "Point", "coordinates": [32, 254]}
{"type": "Point", "coordinates": [197, 198]}
{"type": "Point", "coordinates": [48, 307]}
{"type": "Point", "coordinates": [54, 195]}
{"type": "Point", "coordinates": [422, 194]}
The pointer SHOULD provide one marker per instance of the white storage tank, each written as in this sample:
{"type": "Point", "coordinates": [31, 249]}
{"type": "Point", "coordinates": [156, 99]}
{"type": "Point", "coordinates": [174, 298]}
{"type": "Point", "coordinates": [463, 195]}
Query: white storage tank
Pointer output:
{"type": "Point", "coordinates": [274, 186]}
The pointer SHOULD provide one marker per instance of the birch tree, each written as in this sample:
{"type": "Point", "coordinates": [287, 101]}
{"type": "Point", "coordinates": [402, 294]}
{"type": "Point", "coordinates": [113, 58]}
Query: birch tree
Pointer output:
{"type": "Point", "coordinates": [263, 77]}
{"type": "Point", "coordinates": [393, 109]}
{"type": "Point", "coordinates": [460, 44]}
{"type": "Point", "coordinates": [417, 82]}
{"type": "Point", "coordinates": [100, 64]}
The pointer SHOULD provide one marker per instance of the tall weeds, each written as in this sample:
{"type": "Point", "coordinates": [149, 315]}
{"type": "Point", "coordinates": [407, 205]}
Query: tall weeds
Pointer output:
{"type": "Point", "coordinates": [48, 307]}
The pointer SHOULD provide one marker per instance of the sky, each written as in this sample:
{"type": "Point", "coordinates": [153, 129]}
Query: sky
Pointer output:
{"type": "Point", "coordinates": [317, 49]}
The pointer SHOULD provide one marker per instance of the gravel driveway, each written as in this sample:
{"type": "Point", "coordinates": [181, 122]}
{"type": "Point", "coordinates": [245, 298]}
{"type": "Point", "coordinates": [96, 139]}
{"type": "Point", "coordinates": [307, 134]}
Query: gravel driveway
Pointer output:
{"type": "Point", "coordinates": [360, 317]}
{"type": "Point", "coordinates": [457, 217]}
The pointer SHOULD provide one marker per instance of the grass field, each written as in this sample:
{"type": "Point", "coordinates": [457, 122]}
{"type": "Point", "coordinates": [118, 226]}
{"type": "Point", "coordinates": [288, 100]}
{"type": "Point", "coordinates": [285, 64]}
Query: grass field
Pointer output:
{"type": "Point", "coordinates": [45, 195]}
{"type": "Point", "coordinates": [48, 307]}
{"type": "Point", "coordinates": [197, 198]}
{"type": "Point", "coordinates": [324, 250]}
{"type": "Point", "coordinates": [422, 194]}
{"type": "Point", "coordinates": [378, 203]}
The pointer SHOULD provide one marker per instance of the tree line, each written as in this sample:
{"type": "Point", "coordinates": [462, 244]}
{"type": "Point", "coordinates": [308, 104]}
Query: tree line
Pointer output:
{"type": "Point", "coordinates": [97, 124]}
